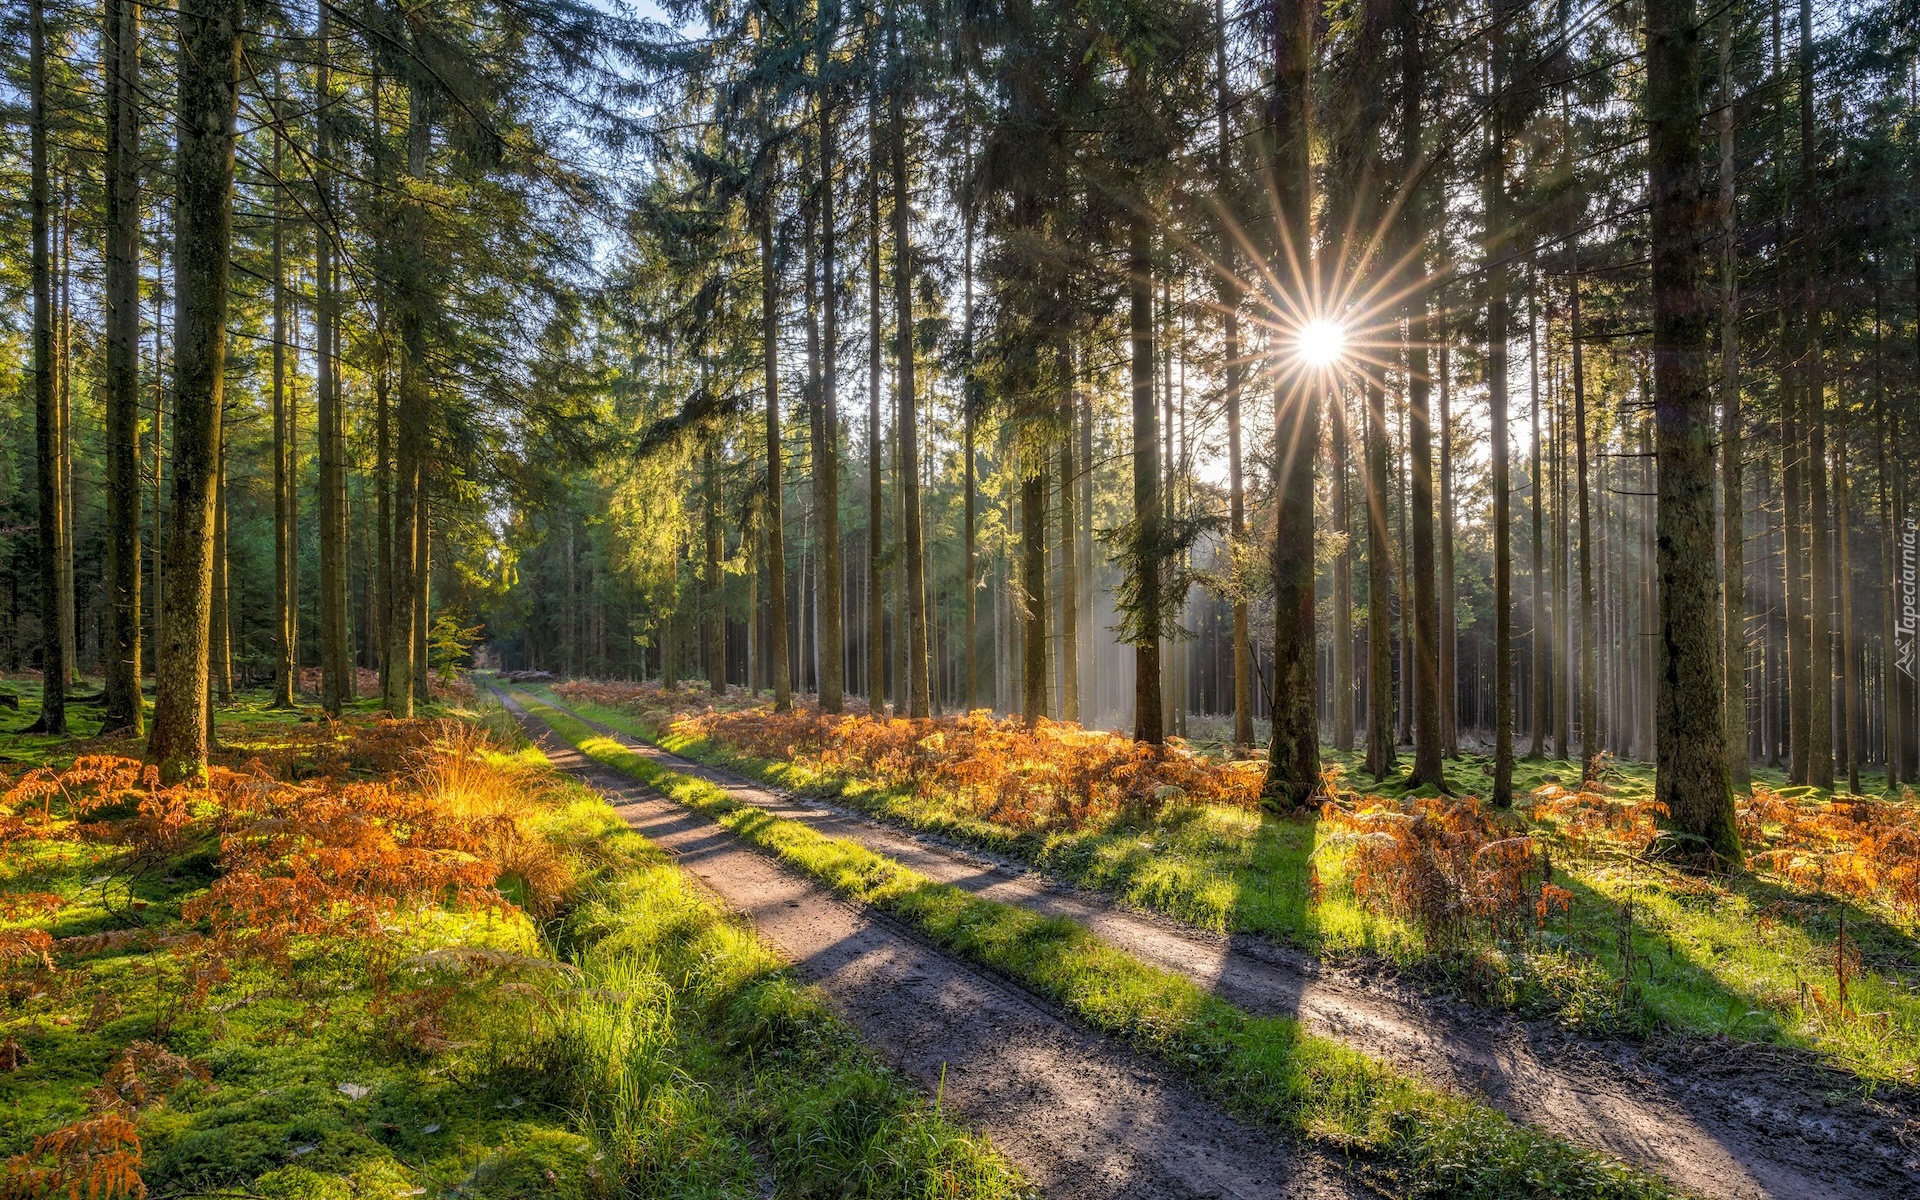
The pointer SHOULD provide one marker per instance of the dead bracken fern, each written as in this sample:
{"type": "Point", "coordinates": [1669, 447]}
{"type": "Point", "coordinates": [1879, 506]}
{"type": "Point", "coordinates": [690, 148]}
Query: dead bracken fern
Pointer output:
{"type": "Point", "coordinates": [1447, 867]}
{"type": "Point", "coordinates": [1048, 775]}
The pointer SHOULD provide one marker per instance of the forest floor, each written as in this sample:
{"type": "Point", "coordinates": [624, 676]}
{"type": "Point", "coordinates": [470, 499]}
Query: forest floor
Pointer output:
{"type": "Point", "coordinates": [375, 958]}
{"type": "Point", "coordinates": [1791, 1118]}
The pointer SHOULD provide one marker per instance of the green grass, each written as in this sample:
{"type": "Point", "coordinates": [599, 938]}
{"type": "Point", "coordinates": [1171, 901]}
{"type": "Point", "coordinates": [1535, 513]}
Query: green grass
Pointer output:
{"type": "Point", "coordinates": [642, 1043]}
{"type": "Point", "coordinates": [1411, 1138]}
{"type": "Point", "coordinates": [1719, 958]}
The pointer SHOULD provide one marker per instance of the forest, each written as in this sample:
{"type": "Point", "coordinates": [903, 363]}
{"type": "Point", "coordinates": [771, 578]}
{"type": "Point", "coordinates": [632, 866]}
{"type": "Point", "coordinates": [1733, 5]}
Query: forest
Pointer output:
{"type": "Point", "coordinates": [895, 598]}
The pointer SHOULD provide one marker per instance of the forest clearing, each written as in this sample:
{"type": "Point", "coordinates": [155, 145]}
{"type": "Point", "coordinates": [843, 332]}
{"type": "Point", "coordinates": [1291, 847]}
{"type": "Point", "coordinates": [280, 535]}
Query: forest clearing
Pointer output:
{"type": "Point", "coordinates": [1039, 599]}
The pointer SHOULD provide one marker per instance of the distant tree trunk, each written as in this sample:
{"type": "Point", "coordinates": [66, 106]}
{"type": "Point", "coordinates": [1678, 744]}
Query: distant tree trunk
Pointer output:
{"type": "Point", "coordinates": [220, 628]}
{"type": "Point", "coordinates": [422, 579]}
{"type": "Point", "coordinates": [1849, 739]}
{"type": "Point", "coordinates": [203, 237]}
{"type": "Point", "coordinates": [876, 452]}
{"type": "Point", "coordinates": [1733, 557]}
{"type": "Point", "coordinates": [1382, 752]}
{"type": "Point", "coordinates": [55, 669]}
{"type": "Point", "coordinates": [1691, 769]}
{"type": "Point", "coordinates": [1589, 689]}
{"type": "Point", "coordinates": [826, 450]}
{"type": "Point", "coordinates": [1033, 585]}
{"type": "Point", "coordinates": [918, 692]}
{"type": "Point", "coordinates": [411, 439]}
{"type": "Point", "coordinates": [1502, 480]}
{"type": "Point", "coordinates": [1229, 297]}
{"type": "Point", "coordinates": [776, 522]}
{"type": "Point", "coordinates": [1293, 756]}
{"type": "Point", "coordinates": [285, 544]}
{"type": "Point", "coordinates": [1542, 653]}
{"type": "Point", "coordinates": [1429, 736]}
{"type": "Point", "coordinates": [1342, 495]}
{"type": "Point", "coordinates": [1069, 566]}
{"type": "Point", "coordinates": [1819, 608]}
{"type": "Point", "coordinates": [125, 710]}
{"type": "Point", "coordinates": [383, 518]}
{"type": "Point", "coordinates": [716, 609]}
{"type": "Point", "coordinates": [336, 653]}
{"type": "Point", "coordinates": [1449, 628]}
{"type": "Point", "coordinates": [1148, 721]}
{"type": "Point", "coordinates": [969, 467]}
{"type": "Point", "coordinates": [63, 385]}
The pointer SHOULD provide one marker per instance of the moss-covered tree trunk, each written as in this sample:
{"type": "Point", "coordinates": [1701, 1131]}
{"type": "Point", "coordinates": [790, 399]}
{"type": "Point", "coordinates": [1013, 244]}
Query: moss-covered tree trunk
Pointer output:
{"type": "Point", "coordinates": [125, 710]}
{"type": "Point", "coordinates": [1293, 754]}
{"type": "Point", "coordinates": [203, 237]}
{"type": "Point", "coordinates": [1691, 765]}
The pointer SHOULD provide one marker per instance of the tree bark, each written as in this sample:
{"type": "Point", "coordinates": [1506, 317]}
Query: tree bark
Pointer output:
{"type": "Point", "coordinates": [876, 452]}
{"type": "Point", "coordinates": [1069, 565]}
{"type": "Point", "coordinates": [1382, 751]}
{"type": "Point", "coordinates": [1148, 721]}
{"type": "Point", "coordinates": [54, 668]}
{"type": "Point", "coordinates": [1293, 756]}
{"type": "Point", "coordinates": [1589, 680]}
{"type": "Point", "coordinates": [203, 238]}
{"type": "Point", "coordinates": [336, 654]}
{"type": "Point", "coordinates": [1733, 550]}
{"type": "Point", "coordinates": [826, 450]}
{"type": "Point", "coordinates": [1691, 766]}
{"type": "Point", "coordinates": [1502, 473]}
{"type": "Point", "coordinates": [285, 543]}
{"type": "Point", "coordinates": [1538, 643]}
{"type": "Point", "coordinates": [125, 709]}
{"type": "Point", "coordinates": [776, 522]}
{"type": "Point", "coordinates": [918, 692]}
{"type": "Point", "coordinates": [1449, 626]}
{"type": "Point", "coordinates": [1233, 371]}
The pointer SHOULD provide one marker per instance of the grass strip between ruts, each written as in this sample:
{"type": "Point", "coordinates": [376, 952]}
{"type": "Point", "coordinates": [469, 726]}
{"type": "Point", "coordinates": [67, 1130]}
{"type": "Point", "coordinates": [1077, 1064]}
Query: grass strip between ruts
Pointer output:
{"type": "Point", "coordinates": [1407, 1135]}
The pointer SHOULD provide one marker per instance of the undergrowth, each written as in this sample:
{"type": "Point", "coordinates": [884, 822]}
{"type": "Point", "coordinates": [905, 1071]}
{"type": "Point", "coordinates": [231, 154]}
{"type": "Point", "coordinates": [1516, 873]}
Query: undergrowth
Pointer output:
{"type": "Point", "coordinates": [340, 972]}
{"type": "Point", "coordinates": [1409, 1137]}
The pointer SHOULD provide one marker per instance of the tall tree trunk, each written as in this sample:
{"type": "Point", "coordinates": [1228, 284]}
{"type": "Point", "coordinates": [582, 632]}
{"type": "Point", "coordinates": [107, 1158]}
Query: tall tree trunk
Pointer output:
{"type": "Point", "coordinates": [125, 710]}
{"type": "Point", "coordinates": [1502, 473]}
{"type": "Point", "coordinates": [54, 668]}
{"type": "Point", "coordinates": [1148, 721]}
{"type": "Point", "coordinates": [285, 544]}
{"type": "Point", "coordinates": [1293, 756]}
{"type": "Point", "coordinates": [1542, 653]}
{"type": "Point", "coordinates": [1849, 740]}
{"type": "Point", "coordinates": [336, 655]}
{"type": "Point", "coordinates": [1449, 626]}
{"type": "Point", "coordinates": [876, 452]}
{"type": "Point", "coordinates": [1733, 549]}
{"type": "Point", "coordinates": [220, 618]}
{"type": "Point", "coordinates": [1382, 752]}
{"type": "Point", "coordinates": [203, 238]}
{"type": "Point", "coordinates": [775, 520]}
{"type": "Point", "coordinates": [970, 399]}
{"type": "Point", "coordinates": [1819, 562]}
{"type": "Point", "coordinates": [1589, 681]}
{"type": "Point", "coordinates": [63, 384]}
{"type": "Point", "coordinates": [918, 692]}
{"type": "Point", "coordinates": [1691, 766]}
{"type": "Point", "coordinates": [826, 450]}
{"type": "Point", "coordinates": [1033, 586]}
{"type": "Point", "coordinates": [1234, 372]}
{"type": "Point", "coordinates": [411, 439]}
{"type": "Point", "coordinates": [715, 606]}
{"type": "Point", "coordinates": [422, 579]}
{"type": "Point", "coordinates": [1429, 737]}
{"type": "Point", "coordinates": [1069, 564]}
{"type": "Point", "coordinates": [1342, 517]}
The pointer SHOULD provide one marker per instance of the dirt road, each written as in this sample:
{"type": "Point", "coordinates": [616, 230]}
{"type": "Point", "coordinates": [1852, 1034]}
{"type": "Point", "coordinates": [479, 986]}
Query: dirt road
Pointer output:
{"type": "Point", "coordinates": [1081, 1117]}
{"type": "Point", "coordinates": [1724, 1120]}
